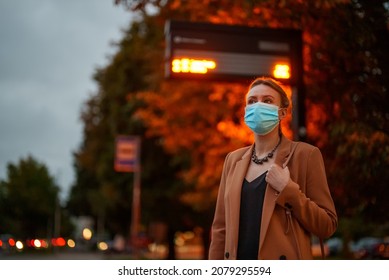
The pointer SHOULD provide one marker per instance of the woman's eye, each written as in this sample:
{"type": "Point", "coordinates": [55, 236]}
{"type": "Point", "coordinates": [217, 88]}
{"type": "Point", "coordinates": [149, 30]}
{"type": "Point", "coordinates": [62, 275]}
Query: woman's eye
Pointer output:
{"type": "Point", "coordinates": [268, 101]}
{"type": "Point", "coordinates": [251, 101]}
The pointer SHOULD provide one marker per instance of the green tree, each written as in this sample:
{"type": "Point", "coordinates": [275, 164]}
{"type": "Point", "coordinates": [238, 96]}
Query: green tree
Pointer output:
{"type": "Point", "coordinates": [29, 197]}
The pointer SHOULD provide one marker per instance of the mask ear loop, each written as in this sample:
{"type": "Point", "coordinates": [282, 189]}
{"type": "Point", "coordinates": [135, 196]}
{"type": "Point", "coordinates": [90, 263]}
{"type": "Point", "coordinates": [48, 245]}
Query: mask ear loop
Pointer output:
{"type": "Point", "coordinates": [283, 114]}
{"type": "Point", "coordinates": [280, 119]}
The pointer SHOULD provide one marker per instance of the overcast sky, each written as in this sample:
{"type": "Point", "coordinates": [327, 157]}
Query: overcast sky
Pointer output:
{"type": "Point", "coordinates": [49, 50]}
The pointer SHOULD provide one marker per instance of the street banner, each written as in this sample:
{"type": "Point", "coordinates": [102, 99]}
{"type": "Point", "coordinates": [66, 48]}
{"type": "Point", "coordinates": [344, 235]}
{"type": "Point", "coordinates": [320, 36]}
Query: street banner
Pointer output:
{"type": "Point", "coordinates": [127, 153]}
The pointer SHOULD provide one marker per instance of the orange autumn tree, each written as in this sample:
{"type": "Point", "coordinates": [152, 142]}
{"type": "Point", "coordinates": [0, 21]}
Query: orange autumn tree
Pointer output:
{"type": "Point", "coordinates": [201, 121]}
{"type": "Point", "coordinates": [345, 62]}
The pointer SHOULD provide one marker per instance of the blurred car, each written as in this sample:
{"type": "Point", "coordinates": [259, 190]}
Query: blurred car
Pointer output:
{"type": "Point", "coordinates": [6, 241]}
{"type": "Point", "coordinates": [380, 251]}
{"type": "Point", "coordinates": [364, 247]}
{"type": "Point", "coordinates": [335, 246]}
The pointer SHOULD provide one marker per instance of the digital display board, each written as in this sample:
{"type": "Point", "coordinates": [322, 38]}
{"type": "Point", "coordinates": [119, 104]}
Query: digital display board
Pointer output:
{"type": "Point", "coordinates": [196, 50]}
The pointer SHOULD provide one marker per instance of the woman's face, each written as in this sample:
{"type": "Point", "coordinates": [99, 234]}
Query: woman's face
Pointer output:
{"type": "Point", "coordinates": [263, 93]}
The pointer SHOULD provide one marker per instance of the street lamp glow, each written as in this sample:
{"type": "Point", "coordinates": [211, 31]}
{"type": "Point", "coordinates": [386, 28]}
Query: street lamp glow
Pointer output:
{"type": "Point", "coordinates": [19, 245]}
{"type": "Point", "coordinates": [37, 243]}
{"type": "Point", "coordinates": [281, 71]}
{"type": "Point", "coordinates": [71, 243]}
{"type": "Point", "coordinates": [87, 234]}
{"type": "Point", "coordinates": [102, 246]}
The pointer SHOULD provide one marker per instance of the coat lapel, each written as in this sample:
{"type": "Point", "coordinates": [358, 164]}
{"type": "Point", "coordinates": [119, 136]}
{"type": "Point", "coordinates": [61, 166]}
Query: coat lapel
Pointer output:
{"type": "Point", "coordinates": [271, 194]}
{"type": "Point", "coordinates": [235, 192]}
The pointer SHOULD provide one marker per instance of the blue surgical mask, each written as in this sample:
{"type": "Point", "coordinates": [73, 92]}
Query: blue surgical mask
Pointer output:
{"type": "Point", "coordinates": [261, 117]}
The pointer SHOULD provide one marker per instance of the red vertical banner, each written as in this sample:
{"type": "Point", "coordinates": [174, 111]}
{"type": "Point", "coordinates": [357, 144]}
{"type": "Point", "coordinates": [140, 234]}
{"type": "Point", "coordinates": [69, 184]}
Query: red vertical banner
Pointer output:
{"type": "Point", "coordinates": [127, 153]}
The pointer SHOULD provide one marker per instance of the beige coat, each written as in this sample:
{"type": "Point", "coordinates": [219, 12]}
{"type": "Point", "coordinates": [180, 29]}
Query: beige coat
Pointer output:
{"type": "Point", "coordinates": [289, 218]}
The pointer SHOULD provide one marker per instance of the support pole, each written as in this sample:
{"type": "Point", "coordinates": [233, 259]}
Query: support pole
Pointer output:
{"type": "Point", "coordinates": [136, 200]}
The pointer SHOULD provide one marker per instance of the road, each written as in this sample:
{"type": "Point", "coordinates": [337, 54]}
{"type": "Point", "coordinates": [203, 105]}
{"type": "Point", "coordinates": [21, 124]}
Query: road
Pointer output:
{"type": "Point", "coordinates": [57, 256]}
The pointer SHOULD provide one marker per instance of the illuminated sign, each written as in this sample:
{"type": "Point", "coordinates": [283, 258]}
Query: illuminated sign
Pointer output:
{"type": "Point", "coordinates": [281, 71]}
{"type": "Point", "coordinates": [188, 65]}
{"type": "Point", "coordinates": [229, 52]}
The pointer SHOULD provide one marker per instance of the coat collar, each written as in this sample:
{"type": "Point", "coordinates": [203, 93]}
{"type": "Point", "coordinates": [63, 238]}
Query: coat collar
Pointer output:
{"type": "Point", "coordinates": [282, 155]}
{"type": "Point", "coordinates": [285, 149]}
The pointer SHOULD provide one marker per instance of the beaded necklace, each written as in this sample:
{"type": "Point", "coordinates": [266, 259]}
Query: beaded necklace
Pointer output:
{"type": "Point", "coordinates": [266, 158]}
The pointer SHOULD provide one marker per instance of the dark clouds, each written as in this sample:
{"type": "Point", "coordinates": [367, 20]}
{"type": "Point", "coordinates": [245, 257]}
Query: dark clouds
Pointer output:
{"type": "Point", "coordinates": [49, 50]}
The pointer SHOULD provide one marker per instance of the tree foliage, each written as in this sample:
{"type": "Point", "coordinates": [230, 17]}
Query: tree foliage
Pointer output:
{"type": "Point", "coordinates": [28, 200]}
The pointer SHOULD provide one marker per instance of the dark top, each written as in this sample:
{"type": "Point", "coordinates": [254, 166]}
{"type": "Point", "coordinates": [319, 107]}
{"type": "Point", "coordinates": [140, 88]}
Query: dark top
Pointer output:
{"type": "Point", "coordinates": [251, 203]}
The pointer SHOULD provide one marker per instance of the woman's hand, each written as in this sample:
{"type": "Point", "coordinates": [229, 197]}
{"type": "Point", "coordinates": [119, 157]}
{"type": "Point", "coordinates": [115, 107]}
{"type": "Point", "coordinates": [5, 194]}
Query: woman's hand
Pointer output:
{"type": "Point", "coordinates": [278, 177]}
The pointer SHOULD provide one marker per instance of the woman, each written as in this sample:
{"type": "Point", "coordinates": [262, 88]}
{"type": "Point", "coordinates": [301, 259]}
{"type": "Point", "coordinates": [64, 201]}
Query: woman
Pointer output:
{"type": "Point", "coordinates": [273, 195]}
